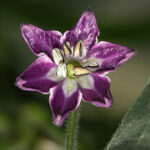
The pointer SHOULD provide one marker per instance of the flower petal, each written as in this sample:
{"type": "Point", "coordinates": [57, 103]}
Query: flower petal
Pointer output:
{"type": "Point", "coordinates": [96, 90]}
{"type": "Point", "coordinates": [41, 41]}
{"type": "Point", "coordinates": [85, 29]}
{"type": "Point", "coordinates": [39, 76]}
{"type": "Point", "coordinates": [64, 98]}
{"type": "Point", "coordinates": [109, 56]}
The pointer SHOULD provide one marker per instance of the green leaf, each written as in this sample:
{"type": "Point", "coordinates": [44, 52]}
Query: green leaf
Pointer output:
{"type": "Point", "coordinates": [134, 130]}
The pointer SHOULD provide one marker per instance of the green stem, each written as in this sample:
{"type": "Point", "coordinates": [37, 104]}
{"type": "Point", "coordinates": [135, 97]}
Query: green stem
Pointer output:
{"type": "Point", "coordinates": [72, 130]}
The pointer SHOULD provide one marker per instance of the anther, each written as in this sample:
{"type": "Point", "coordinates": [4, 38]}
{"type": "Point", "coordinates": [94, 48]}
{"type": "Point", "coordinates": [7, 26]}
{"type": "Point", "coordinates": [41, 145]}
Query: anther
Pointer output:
{"type": "Point", "coordinates": [61, 70]}
{"type": "Point", "coordinates": [78, 71]}
{"type": "Point", "coordinates": [67, 48]}
{"type": "Point", "coordinates": [90, 64]}
{"type": "Point", "coordinates": [57, 56]}
{"type": "Point", "coordinates": [78, 50]}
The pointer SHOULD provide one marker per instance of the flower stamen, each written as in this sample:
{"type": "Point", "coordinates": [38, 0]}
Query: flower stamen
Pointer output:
{"type": "Point", "coordinates": [57, 56]}
{"type": "Point", "coordinates": [78, 71]}
{"type": "Point", "coordinates": [90, 64]}
{"type": "Point", "coordinates": [61, 70]}
{"type": "Point", "coordinates": [78, 50]}
{"type": "Point", "coordinates": [67, 48]}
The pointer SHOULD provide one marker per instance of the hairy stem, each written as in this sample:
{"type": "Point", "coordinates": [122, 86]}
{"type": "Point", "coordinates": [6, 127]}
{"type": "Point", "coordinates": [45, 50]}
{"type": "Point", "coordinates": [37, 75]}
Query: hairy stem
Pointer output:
{"type": "Point", "coordinates": [72, 130]}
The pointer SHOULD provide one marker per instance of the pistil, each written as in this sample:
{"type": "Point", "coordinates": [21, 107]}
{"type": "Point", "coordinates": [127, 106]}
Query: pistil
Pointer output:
{"type": "Point", "coordinates": [75, 69]}
{"type": "Point", "coordinates": [70, 69]}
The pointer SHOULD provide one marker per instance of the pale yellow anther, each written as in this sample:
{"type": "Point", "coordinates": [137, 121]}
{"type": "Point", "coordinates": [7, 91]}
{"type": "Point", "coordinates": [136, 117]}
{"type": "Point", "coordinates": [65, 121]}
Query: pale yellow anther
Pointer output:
{"type": "Point", "coordinates": [90, 64]}
{"type": "Point", "coordinates": [57, 56]}
{"type": "Point", "coordinates": [67, 49]}
{"type": "Point", "coordinates": [61, 70]}
{"type": "Point", "coordinates": [78, 50]}
{"type": "Point", "coordinates": [78, 71]}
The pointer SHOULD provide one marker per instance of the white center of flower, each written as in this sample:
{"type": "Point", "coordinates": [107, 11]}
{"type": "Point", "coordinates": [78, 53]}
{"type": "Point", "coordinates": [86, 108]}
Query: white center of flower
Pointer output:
{"type": "Point", "coordinates": [69, 63]}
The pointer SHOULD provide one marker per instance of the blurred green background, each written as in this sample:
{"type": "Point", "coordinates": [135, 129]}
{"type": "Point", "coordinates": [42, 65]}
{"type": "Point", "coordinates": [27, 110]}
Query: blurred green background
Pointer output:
{"type": "Point", "coordinates": [25, 117]}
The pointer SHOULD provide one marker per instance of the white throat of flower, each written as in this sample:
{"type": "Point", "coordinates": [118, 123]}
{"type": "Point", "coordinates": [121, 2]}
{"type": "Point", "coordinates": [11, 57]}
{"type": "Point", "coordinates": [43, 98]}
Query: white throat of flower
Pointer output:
{"type": "Point", "coordinates": [69, 61]}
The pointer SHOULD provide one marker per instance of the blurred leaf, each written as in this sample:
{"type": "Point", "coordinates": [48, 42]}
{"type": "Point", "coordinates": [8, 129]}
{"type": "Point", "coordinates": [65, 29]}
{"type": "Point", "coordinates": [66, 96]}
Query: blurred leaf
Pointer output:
{"type": "Point", "coordinates": [35, 117]}
{"type": "Point", "coordinates": [47, 144]}
{"type": "Point", "coordinates": [134, 131]}
{"type": "Point", "coordinates": [4, 125]}
{"type": "Point", "coordinates": [33, 114]}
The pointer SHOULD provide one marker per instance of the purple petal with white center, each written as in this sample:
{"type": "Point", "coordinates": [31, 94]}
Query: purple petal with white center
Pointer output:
{"type": "Point", "coordinates": [40, 41]}
{"type": "Point", "coordinates": [64, 98]}
{"type": "Point", "coordinates": [39, 76]}
{"type": "Point", "coordinates": [86, 29]}
{"type": "Point", "coordinates": [95, 89]}
{"type": "Point", "coordinates": [109, 56]}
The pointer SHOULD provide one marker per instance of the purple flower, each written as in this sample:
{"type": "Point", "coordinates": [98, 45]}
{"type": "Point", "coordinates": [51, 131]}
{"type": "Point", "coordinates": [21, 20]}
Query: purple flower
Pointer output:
{"type": "Point", "coordinates": [72, 66]}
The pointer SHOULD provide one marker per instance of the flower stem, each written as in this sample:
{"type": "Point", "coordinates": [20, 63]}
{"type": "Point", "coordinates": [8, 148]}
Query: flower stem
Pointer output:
{"type": "Point", "coordinates": [72, 130]}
